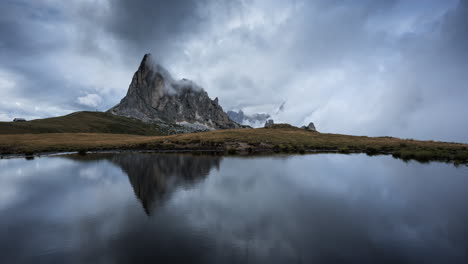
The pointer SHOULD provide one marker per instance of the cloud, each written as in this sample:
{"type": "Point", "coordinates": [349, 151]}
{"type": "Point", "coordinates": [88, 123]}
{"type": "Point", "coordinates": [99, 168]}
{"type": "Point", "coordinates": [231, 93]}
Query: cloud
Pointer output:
{"type": "Point", "coordinates": [91, 100]}
{"type": "Point", "coordinates": [155, 26]}
{"type": "Point", "coordinates": [360, 67]}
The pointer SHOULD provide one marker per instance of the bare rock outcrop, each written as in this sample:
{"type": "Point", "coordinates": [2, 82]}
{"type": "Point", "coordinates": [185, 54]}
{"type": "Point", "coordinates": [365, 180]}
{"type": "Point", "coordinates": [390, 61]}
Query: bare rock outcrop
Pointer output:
{"type": "Point", "coordinates": [310, 127]}
{"type": "Point", "coordinates": [154, 96]}
{"type": "Point", "coordinates": [269, 123]}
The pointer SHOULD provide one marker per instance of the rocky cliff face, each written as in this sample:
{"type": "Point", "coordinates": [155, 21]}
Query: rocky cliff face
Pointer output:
{"type": "Point", "coordinates": [154, 96]}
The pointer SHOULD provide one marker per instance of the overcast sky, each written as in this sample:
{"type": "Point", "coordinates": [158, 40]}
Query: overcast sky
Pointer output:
{"type": "Point", "coordinates": [396, 68]}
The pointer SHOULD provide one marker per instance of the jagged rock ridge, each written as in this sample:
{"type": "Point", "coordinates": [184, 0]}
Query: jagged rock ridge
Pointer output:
{"type": "Point", "coordinates": [251, 120]}
{"type": "Point", "coordinates": [311, 127]}
{"type": "Point", "coordinates": [154, 96]}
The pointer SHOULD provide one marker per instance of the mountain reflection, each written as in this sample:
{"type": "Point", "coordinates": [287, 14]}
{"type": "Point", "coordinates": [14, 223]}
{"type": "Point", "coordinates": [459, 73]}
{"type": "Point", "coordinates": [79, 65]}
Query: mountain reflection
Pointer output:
{"type": "Point", "coordinates": [154, 177]}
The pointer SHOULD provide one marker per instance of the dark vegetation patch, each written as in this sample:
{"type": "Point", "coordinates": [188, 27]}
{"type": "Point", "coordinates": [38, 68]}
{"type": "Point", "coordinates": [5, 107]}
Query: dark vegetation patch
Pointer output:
{"type": "Point", "coordinates": [276, 126]}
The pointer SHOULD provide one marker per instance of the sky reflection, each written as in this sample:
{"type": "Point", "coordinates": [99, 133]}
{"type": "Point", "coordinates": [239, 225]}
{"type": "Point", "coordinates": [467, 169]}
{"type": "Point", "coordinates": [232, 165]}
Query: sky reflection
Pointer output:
{"type": "Point", "coordinates": [129, 208]}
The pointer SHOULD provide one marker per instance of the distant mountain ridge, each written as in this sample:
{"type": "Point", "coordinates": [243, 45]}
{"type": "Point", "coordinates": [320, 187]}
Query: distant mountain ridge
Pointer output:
{"type": "Point", "coordinates": [251, 120]}
{"type": "Point", "coordinates": [155, 97]}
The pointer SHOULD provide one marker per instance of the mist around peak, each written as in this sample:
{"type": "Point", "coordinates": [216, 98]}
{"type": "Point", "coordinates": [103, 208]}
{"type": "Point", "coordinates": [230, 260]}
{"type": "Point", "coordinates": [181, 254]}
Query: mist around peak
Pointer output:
{"type": "Point", "coordinates": [171, 86]}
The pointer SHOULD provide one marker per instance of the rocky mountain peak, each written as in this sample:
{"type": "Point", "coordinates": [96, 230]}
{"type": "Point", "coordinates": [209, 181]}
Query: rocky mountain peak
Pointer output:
{"type": "Point", "coordinates": [254, 120]}
{"type": "Point", "coordinates": [155, 96]}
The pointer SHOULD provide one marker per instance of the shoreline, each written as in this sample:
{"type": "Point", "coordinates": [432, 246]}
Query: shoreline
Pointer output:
{"type": "Point", "coordinates": [233, 142]}
{"type": "Point", "coordinates": [220, 153]}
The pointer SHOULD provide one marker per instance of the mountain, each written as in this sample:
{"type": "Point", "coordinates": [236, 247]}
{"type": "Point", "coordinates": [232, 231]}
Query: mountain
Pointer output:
{"type": "Point", "coordinates": [155, 97]}
{"type": "Point", "coordinates": [87, 122]}
{"type": "Point", "coordinates": [254, 120]}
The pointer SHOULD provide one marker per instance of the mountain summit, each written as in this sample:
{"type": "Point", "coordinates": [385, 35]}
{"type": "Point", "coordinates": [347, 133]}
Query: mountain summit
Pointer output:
{"type": "Point", "coordinates": [154, 96]}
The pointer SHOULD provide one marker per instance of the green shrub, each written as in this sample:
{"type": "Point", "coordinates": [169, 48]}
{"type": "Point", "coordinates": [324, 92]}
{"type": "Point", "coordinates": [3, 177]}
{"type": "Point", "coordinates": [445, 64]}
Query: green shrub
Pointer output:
{"type": "Point", "coordinates": [344, 150]}
{"type": "Point", "coordinates": [232, 151]}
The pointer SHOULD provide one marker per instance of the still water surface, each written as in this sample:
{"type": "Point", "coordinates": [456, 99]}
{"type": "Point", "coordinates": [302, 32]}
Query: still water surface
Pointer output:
{"type": "Point", "coordinates": [170, 208]}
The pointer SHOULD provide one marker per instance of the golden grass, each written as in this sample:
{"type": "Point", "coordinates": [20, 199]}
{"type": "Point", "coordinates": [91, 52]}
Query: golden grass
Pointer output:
{"type": "Point", "coordinates": [23, 143]}
{"type": "Point", "coordinates": [276, 139]}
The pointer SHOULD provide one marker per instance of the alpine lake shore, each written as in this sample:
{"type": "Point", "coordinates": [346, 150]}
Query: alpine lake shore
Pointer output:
{"type": "Point", "coordinates": [280, 138]}
{"type": "Point", "coordinates": [135, 124]}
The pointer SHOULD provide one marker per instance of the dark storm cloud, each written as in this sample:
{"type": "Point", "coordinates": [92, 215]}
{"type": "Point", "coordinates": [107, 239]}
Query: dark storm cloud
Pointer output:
{"type": "Point", "coordinates": [360, 67]}
{"type": "Point", "coordinates": [21, 25]}
{"type": "Point", "coordinates": [367, 67]}
{"type": "Point", "coordinates": [455, 27]}
{"type": "Point", "coordinates": [153, 25]}
{"type": "Point", "coordinates": [27, 38]}
{"type": "Point", "coordinates": [138, 27]}
{"type": "Point", "coordinates": [47, 46]}
{"type": "Point", "coordinates": [430, 85]}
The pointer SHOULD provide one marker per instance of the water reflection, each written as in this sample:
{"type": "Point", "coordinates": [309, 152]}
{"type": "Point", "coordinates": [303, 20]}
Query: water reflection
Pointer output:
{"type": "Point", "coordinates": [155, 176]}
{"type": "Point", "coordinates": [291, 209]}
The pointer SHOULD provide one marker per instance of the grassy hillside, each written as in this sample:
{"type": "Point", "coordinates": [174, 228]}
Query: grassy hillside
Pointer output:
{"type": "Point", "coordinates": [261, 140]}
{"type": "Point", "coordinates": [82, 122]}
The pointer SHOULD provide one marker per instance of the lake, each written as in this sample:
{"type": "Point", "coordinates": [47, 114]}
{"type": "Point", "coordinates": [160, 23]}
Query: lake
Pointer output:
{"type": "Point", "coordinates": [181, 208]}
